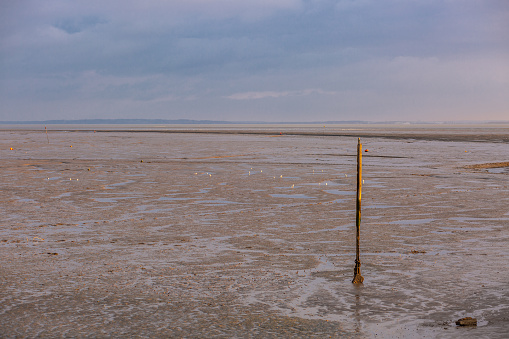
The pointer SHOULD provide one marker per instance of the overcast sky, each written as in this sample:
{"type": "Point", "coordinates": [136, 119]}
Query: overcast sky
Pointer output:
{"type": "Point", "coordinates": [255, 60]}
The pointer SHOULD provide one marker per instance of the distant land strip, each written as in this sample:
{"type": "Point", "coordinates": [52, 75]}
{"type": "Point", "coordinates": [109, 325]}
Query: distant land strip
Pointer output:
{"type": "Point", "coordinates": [177, 122]}
{"type": "Point", "coordinates": [219, 122]}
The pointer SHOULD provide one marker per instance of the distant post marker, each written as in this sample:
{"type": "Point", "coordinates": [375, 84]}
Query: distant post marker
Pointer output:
{"type": "Point", "coordinates": [357, 278]}
{"type": "Point", "coordinates": [46, 133]}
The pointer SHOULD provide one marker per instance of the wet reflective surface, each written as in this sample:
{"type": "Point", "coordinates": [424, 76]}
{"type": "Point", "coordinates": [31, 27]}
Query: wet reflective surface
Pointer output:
{"type": "Point", "coordinates": [164, 234]}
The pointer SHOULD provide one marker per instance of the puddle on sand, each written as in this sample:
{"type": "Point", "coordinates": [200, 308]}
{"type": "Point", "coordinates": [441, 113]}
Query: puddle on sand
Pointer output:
{"type": "Point", "coordinates": [412, 222]}
{"type": "Point", "coordinates": [338, 228]}
{"type": "Point", "coordinates": [150, 209]}
{"type": "Point", "coordinates": [292, 196]}
{"type": "Point", "coordinates": [174, 199]}
{"type": "Point", "coordinates": [338, 192]}
{"type": "Point", "coordinates": [111, 200]}
{"type": "Point", "coordinates": [468, 229]}
{"type": "Point", "coordinates": [203, 190]}
{"type": "Point", "coordinates": [113, 186]}
{"type": "Point", "coordinates": [325, 183]}
{"type": "Point", "coordinates": [467, 219]}
{"type": "Point", "coordinates": [63, 195]}
{"type": "Point", "coordinates": [378, 206]}
{"type": "Point", "coordinates": [498, 170]}
{"type": "Point", "coordinates": [373, 183]}
{"type": "Point", "coordinates": [215, 202]}
{"type": "Point", "coordinates": [27, 200]}
{"type": "Point", "coordinates": [337, 201]}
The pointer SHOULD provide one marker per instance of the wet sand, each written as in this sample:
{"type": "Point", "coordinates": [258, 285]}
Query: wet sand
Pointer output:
{"type": "Point", "coordinates": [251, 233]}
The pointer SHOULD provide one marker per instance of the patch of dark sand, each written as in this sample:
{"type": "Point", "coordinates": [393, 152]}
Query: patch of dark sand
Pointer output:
{"type": "Point", "coordinates": [489, 165]}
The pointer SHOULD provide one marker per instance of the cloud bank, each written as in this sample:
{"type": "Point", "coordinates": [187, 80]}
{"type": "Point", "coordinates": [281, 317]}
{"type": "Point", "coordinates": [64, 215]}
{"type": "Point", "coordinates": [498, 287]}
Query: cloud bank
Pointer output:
{"type": "Point", "coordinates": [288, 60]}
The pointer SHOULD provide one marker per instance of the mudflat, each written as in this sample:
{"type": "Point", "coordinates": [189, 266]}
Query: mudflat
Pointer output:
{"type": "Point", "coordinates": [251, 233]}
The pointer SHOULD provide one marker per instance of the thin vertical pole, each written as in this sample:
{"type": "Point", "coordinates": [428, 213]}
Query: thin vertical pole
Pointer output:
{"type": "Point", "coordinates": [357, 278]}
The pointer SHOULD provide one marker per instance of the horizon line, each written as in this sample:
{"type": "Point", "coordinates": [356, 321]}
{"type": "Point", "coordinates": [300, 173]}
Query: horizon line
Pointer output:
{"type": "Point", "coordinates": [127, 121]}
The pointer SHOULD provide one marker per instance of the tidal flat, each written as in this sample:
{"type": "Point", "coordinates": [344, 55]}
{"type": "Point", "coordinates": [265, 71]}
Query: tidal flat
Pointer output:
{"type": "Point", "coordinates": [250, 232]}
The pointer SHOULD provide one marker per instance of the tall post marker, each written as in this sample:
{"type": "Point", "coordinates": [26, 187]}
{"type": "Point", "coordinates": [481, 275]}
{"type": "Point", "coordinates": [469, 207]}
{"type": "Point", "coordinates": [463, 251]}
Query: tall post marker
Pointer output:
{"type": "Point", "coordinates": [358, 278]}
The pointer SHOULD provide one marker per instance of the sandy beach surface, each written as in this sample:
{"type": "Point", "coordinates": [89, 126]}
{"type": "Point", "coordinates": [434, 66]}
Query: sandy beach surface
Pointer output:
{"type": "Point", "coordinates": [250, 232]}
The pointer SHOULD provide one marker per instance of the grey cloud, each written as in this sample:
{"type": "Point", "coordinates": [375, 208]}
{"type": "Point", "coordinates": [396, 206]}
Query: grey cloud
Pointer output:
{"type": "Point", "coordinates": [197, 56]}
{"type": "Point", "coordinates": [77, 25]}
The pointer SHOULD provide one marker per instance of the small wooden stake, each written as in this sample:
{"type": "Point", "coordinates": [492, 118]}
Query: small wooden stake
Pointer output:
{"type": "Point", "coordinates": [357, 278]}
{"type": "Point", "coordinates": [46, 133]}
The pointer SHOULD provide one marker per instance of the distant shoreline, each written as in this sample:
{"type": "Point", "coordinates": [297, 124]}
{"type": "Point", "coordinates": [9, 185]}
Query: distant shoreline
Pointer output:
{"type": "Point", "coordinates": [218, 122]}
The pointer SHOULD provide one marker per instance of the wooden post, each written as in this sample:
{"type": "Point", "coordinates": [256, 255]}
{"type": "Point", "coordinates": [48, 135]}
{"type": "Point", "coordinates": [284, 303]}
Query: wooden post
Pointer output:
{"type": "Point", "coordinates": [357, 278]}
